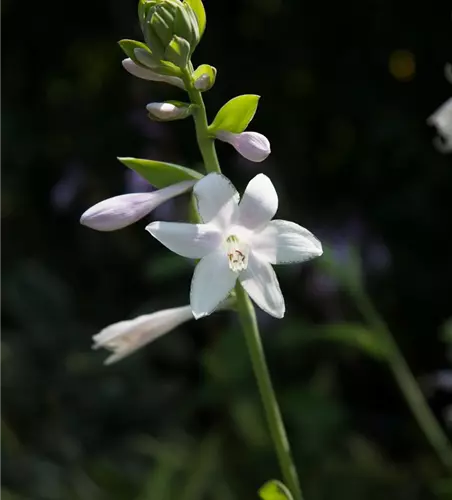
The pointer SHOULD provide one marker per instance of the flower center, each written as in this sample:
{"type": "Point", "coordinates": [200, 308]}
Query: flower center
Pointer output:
{"type": "Point", "coordinates": [237, 254]}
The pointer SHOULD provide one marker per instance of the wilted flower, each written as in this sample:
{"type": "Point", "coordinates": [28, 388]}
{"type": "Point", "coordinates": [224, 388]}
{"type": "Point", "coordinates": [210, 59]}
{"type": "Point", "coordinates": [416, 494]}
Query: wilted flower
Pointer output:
{"type": "Point", "coordinates": [123, 210]}
{"type": "Point", "coordinates": [147, 74]}
{"type": "Point", "coordinates": [252, 145]}
{"type": "Point", "coordinates": [125, 337]}
{"type": "Point", "coordinates": [237, 241]}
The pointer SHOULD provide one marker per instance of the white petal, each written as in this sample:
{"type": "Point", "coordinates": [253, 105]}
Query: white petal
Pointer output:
{"type": "Point", "coordinates": [147, 74]}
{"type": "Point", "coordinates": [259, 203]}
{"type": "Point", "coordinates": [260, 282]}
{"type": "Point", "coordinates": [284, 242]}
{"type": "Point", "coordinates": [121, 211]}
{"type": "Point", "coordinates": [212, 281]}
{"type": "Point", "coordinates": [125, 337]}
{"type": "Point", "coordinates": [251, 145]}
{"type": "Point", "coordinates": [217, 200]}
{"type": "Point", "coordinates": [189, 240]}
{"type": "Point", "coordinates": [442, 120]}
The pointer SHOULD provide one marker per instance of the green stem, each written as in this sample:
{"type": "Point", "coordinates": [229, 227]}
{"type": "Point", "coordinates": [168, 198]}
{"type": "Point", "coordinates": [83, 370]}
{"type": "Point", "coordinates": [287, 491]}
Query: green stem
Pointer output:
{"type": "Point", "coordinates": [407, 382]}
{"type": "Point", "coordinates": [249, 324]}
{"type": "Point", "coordinates": [206, 143]}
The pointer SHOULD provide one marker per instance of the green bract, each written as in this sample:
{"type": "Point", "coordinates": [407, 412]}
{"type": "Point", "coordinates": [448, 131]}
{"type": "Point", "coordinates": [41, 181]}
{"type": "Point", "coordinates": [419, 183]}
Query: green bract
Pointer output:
{"type": "Point", "coordinates": [171, 29]}
{"type": "Point", "coordinates": [236, 114]}
{"type": "Point", "coordinates": [159, 173]}
{"type": "Point", "coordinates": [275, 490]}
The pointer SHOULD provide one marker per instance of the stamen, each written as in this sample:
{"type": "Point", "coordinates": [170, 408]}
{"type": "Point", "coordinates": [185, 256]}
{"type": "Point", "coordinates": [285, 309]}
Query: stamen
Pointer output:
{"type": "Point", "coordinates": [237, 254]}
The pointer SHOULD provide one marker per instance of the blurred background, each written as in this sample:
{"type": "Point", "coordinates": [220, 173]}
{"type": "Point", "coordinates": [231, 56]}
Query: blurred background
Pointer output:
{"type": "Point", "coordinates": [346, 90]}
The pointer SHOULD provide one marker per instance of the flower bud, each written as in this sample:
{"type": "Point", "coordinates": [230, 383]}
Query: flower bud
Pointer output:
{"type": "Point", "coordinates": [251, 145]}
{"type": "Point", "coordinates": [162, 20]}
{"type": "Point", "coordinates": [122, 211]}
{"type": "Point", "coordinates": [166, 111]}
{"type": "Point", "coordinates": [204, 77]}
{"type": "Point", "coordinates": [442, 120]}
{"type": "Point", "coordinates": [148, 74]}
{"type": "Point", "coordinates": [126, 337]}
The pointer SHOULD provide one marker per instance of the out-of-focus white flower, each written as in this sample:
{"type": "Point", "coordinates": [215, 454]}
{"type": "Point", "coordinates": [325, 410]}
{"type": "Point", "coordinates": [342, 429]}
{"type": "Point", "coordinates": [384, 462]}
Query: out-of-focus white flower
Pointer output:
{"type": "Point", "coordinates": [166, 111]}
{"type": "Point", "coordinates": [252, 145]}
{"type": "Point", "coordinates": [237, 241]}
{"type": "Point", "coordinates": [125, 337]}
{"type": "Point", "coordinates": [442, 120]}
{"type": "Point", "coordinates": [147, 74]}
{"type": "Point", "coordinates": [121, 211]}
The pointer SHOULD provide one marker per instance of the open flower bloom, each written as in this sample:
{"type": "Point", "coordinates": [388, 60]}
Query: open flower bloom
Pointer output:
{"type": "Point", "coordinates": [123, 210]}
{"type": "Point", "coordinates": [251, 145]}
{"type": "Point", "coordinates": [126, 337]}
{"type": "Point", "coordinates": [147, 74]}
{"type": "Point", "coordinates": [237, 240]}
{"type": "Point", "coordinates": [442, 120]}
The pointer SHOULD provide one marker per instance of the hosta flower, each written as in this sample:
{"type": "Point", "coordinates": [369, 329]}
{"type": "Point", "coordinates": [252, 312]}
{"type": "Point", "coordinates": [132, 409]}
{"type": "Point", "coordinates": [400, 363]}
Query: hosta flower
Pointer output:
{"type": "Point", "coordinates": [166, 111]}
{"type": "Point", "coordinates": [147, 74]}
{"type": "Point", "coordinates": [125, 337]}
{"type": "Point", "coordinates": [251, 145]}
{"type": "Point", "coordinates": [123, 210]}
{"type": "Point", "coordinates": [237, 240]}
{"type": "Point", "coordinates": [442, 120]}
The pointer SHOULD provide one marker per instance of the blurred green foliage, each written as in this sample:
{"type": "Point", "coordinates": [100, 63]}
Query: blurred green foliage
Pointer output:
{"type": "Point", "coordinates": [346, 89]}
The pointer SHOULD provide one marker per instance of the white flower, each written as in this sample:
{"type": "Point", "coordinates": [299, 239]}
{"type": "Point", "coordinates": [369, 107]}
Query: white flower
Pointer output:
{"type": "Point", "coordinates": [252, 145]}
{"type": "Point", "coordinates": [121, 211]}
{"type": "Point", "coordinates": [125, 337]}
{"type": "Point", "coordinates": [167, 110]}
{"type": "Point", "coordinates": [147, 74]}
{"type": "Point", "coordinates": [442, 120]}
{"type": "Point", "coordinates": [237, 241]}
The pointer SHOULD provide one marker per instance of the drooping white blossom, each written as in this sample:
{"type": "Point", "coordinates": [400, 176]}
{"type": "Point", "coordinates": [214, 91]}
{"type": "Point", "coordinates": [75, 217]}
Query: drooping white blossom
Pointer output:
{"type": "Point", "coordinates": [121, 211]}
{"type": "Point", "coordinates": [126, 337]}
{"type": "Point", "coordinates": [251, 145]}
{"type": "Point", "coordinates": [147, 74]}
{"type": "Point", "coordinates": [237, 240]}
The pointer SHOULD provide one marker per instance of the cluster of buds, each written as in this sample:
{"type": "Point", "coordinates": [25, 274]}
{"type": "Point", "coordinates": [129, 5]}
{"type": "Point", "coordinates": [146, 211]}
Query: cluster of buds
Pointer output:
{"type": "Point", "coordinates": [236, 241]}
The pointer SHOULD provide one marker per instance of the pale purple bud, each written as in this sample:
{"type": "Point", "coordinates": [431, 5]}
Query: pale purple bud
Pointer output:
{"type": "Point", "coordinates": [147, 74]}
{"type": "Point", "coordinates": [126, 337]}
{"type": "Point", "coordinates": [442, 120]}
{"type": "Point", "coordinates": [251, 145]}
{"type": "Point", "coordinates": [121, 211]}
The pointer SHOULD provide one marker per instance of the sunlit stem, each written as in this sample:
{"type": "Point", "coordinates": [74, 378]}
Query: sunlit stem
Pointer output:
{"type": "Point", "coordinates": [206, 143]}
{"type": "Point", "coordinates": [278, 433]}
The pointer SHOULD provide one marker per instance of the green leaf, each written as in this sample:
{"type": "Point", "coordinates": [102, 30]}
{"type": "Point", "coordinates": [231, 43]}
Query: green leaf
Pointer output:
{"type": "Point", "coordinates": [159, 173]}
{"type": "Point", "coordinates": [129, 46]}
{"type": "Point", "coordinates": [236, 114]}
{"type": "Point", "coordinates": [274, 490]}
{"type": "Point", "coordinates": [198, 9]}
{"type": "Point", "coordinates": [178, 51]}
{"type": "Point", "coordinates": [355, 335]}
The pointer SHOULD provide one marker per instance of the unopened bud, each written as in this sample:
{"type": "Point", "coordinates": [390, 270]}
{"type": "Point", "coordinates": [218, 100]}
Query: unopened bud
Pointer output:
{"type": "Point", "coordinates": [148, 74]}
{"type": "Point", "coordinates": [166, 111]}
{"type": "Point", "coordinates": [204, 77]}
{"type": "Point", "coordinates": [251, 145]}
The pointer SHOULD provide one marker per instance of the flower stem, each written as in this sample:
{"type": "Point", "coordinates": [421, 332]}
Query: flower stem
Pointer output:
{"type": "Point", "coordinates": [407, 382]}
{"type": "Point", "coordinates": [248, 320]}
{"type": "Point", "coordinates": [205, 142]}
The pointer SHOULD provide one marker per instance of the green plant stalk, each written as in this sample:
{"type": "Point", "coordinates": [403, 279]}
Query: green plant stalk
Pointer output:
{"type": "Point", "coordinates": [248, 320]}
{"type": "Point", "coordinates": [206, 143]}
{"type": "Point", "coordinates": [407, 382]}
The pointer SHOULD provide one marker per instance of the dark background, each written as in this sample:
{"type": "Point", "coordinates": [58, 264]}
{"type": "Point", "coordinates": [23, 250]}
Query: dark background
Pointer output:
{"type": "Point", "coordinates": [346, 90]}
